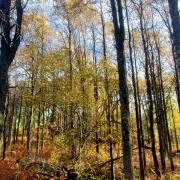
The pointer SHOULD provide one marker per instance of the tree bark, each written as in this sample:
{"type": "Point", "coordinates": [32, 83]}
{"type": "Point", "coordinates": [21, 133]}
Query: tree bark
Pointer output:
{"type": "Point", "coordinates": [9, 44]}
{"type": "Point", "coordinates": [174, 13]}
{"type": "Point", "coordinates": [119, 33]}
{"type": "Point", "coordinates": [3, 88]}
{"type": "Point", "coordinates": [149, 91]}
{"type": "Point", "coordinates": [138, 123]}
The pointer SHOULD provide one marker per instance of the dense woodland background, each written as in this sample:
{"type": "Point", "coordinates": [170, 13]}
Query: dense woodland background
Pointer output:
{"type": "Point", "coordinates": [89, 89]}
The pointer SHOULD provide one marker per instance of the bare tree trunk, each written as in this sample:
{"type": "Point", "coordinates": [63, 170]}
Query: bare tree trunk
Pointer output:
{"type": "Point", "coordinates": [149, 93]}
{"type": "Point", "coordinates": [174, 13]}
{"type": "Point", "coordinates": [38, 131]}
{"type": "Point", "coordinates": [19, 119]}
{"type": "Point", "coordinates": [119, 33]}
{"type": "Point", "coordinates": [5, 127]}
{"type": "Point", "coordinates": [43, 124]}
{"type": "Point", "coordinates": [24, 123]}
{"type": "Point", "coordinates": [28, 128]}
{"type": "Point", "coordinates": [174, 126]}
{"type": "Point", "coordinates": [95, 86]}
{"type": "Point", "coordinates": [9, 44]}
{"type": "Point", "coordinates": [139, 126]}
{"type": "Point", "coordinates": [3, 88]}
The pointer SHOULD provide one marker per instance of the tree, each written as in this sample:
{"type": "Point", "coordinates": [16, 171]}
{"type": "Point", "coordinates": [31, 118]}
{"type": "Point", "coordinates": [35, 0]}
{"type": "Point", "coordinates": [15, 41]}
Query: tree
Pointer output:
{"type": "Point", "coordinates": [138, 114]}
{"type": "Point", "coordinates": [10, 39]}
{"type": "Point", "coordinates": [174, 13]}
{"type": "Point", "coordinates": [119, 33]}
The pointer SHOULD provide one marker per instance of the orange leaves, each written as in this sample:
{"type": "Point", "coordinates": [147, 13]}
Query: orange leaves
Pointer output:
{"type": "Point", "coordinates": [8, 169]}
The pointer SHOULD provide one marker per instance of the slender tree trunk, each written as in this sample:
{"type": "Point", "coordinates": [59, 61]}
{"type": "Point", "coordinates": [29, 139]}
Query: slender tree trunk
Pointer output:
{"type": "Point", "coordinates": [72, 146]}
{"type": "Point", "coordinates": [38, 131]}
{"type": "Point", "coordinates": [139, 130]}
{"type": "Point", "coordinates": [149, 93]}
{"type": "Point", "coordinates": [95, 86]}
{"type": "Point", "coordinates": [164, 106]}
{"type": "Point", "coordinates": [13, 120]}
{"type": "Point", "coordinates": [174, 13]}
{"type": "Point", "coordinates": [119, 33]}
{"type": "Point", "coordinates": [43, 124]}
{"type": "Point", "coordinates": [108, 113]}
{"type": "Point", "coordinates": [19, 119]}
{"type": "Point", "coordinates": [5, 128]}
{"type": "Point", "coordinates": [24, 123]}
{"type": "Point", "coordinates": [139, 105]}
{"type": "Point", "coordinates": [28, 128]}
{"type": "Point", "coordinates": [174, 126]}
{"type": "Point", "coordinates": [159, 115]}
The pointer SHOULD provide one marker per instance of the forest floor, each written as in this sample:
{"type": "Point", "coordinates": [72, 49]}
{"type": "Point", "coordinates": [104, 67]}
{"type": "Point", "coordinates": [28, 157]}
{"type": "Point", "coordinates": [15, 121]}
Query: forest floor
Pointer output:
{"type": "Point", "coordinates": [20, 166]}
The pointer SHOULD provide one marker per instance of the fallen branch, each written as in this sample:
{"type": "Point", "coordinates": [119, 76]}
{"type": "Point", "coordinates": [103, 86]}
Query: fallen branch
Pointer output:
{"type": "Point", "coordinates": [44, 174]}
{"type": "Point", "coordinates": [110, 161]}
{"type": "Point", "coordinates": [115, 159]}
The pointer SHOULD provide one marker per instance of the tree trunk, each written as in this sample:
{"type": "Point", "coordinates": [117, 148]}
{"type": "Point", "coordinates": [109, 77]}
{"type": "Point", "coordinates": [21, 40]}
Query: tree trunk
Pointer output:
{"type": "Point", "coordinates": [174, 13]}
{"type": "Point", "coordinates": [149, 92]}
{"type": "Point", "coordinates": [19, 119]}
{"type": "Point", "coordinates": [5, 117]}
{"type": "Point", "coordinates": [10, 41]}
{"type": "Point", "coordinates": [38, 131]}
{"type": "Point", "coordinates": [119, 32]}
{"type": "Point", "coordinates": [3, 88]}
{"type": "Point", "coordinates": [174, 126]}
{"type": "Point", "coordinates": [139, 127]}
{"type": "Point", "coordinates": [95, 86]}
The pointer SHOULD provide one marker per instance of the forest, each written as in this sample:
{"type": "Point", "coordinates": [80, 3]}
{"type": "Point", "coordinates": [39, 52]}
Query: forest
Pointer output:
{"type": "Point", "coordinates": [89, 89]}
